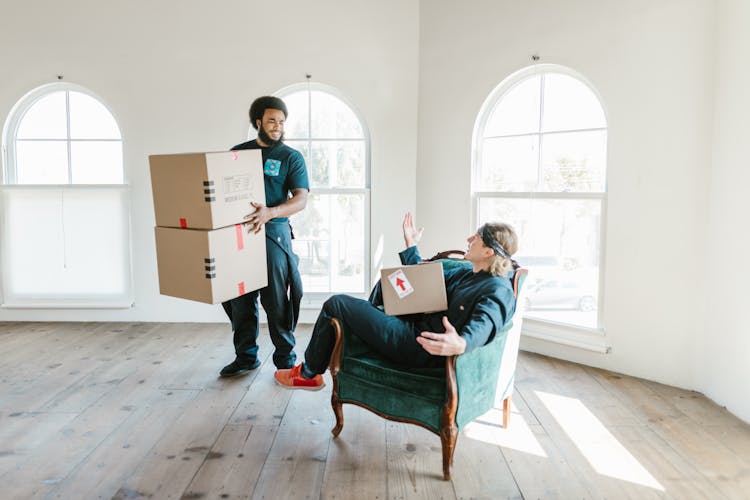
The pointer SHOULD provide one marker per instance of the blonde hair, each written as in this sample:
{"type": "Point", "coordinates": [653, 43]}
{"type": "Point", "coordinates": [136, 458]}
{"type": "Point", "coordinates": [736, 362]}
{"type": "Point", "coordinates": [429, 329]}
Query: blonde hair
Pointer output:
{"type": "Point", "coordinates": [506, 237]}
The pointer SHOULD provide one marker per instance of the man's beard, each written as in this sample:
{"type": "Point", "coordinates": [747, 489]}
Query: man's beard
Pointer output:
{"type": "Point", "coordinates": [266, 139]}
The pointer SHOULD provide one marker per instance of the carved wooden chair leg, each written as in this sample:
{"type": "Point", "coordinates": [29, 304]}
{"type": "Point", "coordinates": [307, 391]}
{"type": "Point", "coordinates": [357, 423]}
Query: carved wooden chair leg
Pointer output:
{"type": "Point", "coordinates": [506, 412]}
{"type": "Point", "coordinates": [338, 411]}
{"type": "Point", "coordinates": [448, 427]}
{"type": "Point", "coordinates": [333, 366]}
{"type": "Point", "coordinates": [448, 436]}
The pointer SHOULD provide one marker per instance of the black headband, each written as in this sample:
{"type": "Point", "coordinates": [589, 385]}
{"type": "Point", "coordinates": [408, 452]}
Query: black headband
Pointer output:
{"type": "Point", "coordinates": [489, 241]}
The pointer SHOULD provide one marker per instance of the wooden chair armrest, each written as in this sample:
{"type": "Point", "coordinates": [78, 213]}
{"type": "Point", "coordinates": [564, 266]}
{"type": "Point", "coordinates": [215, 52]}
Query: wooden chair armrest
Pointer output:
{"type": "Point", "coordinates": [335, 362]}
{"type": "Point", "coordinates": [451, 390]}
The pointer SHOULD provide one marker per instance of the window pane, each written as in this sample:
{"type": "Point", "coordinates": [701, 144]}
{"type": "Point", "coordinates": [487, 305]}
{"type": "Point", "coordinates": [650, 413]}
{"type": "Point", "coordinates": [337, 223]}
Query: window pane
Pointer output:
{"type": "Point", "coordinates": [350, 164]}
{"type": "Point", "coordinates": [42, 162]}
{"type": "Point", "coordinates": [559, 244]}
{"type": "Point", "coordinates": [330, 241]}
{"type": "Point", "coordinates": [304, 148]}
{"type": "Point", "coordinates": [574, 162]}
{"type": "Point", "coordinates": [518, 110]}
{"type": "Point", "coordinates": [96, 162]}
{"type": "Point", "coordinates": [333, 119]}
{"type": "Point", "coordinates": [509, 164]}
{"type": "Point", "coordinates": [348, 248]}
{"type": "Point", "coordinates": [297, 125]}
{"type": "Point", "coordinates": [89, 119]}
{"type": "Point", "coordinates": [45, 119]}
{"type": "Point", "coordinates": [320, 165]}
{"type": "Point", "coordinates": [569, 105]}
{"type": "Point", "coordinates": [65, 244]}
{"type": "Point", "coordinates": [312, 243]}
{"type": "Point", "coordinates": [339, 161]}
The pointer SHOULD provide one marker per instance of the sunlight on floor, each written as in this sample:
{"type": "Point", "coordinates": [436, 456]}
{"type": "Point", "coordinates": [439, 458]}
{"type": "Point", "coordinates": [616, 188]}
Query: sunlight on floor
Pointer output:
{"type": "Point", "coordinates": [518, 436]}
{"type": "Point", "coordinates": [603, 451]}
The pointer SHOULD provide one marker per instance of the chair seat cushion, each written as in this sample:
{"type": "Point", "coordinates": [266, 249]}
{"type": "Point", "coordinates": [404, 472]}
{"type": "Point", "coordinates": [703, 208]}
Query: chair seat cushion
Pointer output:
{"type": "Point", "coordinates": [426, 383]}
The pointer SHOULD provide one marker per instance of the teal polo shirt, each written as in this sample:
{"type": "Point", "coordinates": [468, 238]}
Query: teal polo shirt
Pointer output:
{"type": "Point", "coordinates": [283, 170]}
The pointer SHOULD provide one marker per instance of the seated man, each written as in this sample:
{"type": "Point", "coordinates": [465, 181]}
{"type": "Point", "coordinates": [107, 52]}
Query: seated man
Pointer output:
{"type": "Point", "coordinates": [480, 302]}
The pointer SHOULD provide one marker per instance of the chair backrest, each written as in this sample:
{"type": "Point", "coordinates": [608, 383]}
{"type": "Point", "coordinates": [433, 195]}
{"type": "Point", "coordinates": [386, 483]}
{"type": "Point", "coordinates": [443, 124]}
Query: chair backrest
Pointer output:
{"type": "Point", "coordinates": [513, 342]}
{"type": "Point", "coordinates": [498, 357]}
{"type": "Point", "coordinates": [519, 278]}
{"type": "Point", "coordinates": [447, 254]}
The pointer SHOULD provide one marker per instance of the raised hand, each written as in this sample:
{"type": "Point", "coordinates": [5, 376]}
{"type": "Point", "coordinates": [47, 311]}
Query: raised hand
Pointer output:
{"type": "Point", "coordinates": [412, 235]}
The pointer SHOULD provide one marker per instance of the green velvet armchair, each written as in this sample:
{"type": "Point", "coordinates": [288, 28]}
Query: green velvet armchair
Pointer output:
{"type": "Point", "coordinates": [442, 400]}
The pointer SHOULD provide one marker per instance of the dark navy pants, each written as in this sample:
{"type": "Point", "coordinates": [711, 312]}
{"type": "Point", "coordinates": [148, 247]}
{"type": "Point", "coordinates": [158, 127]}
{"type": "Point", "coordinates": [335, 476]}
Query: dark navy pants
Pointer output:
{"type": "Point", "coordinates": [390, 336]}
{"type": "Point", "coordinates": [243, 310]}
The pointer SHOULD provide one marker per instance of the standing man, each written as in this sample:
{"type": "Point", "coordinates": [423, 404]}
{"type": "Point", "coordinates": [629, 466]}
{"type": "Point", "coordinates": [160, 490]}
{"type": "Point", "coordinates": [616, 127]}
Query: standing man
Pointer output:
{"type": "Point", "coordinates": [286, 186]}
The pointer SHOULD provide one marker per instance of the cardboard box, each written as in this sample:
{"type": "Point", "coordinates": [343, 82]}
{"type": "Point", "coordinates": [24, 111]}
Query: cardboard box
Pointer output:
{"type": "Point", "coordinates": [413, 289]}
{"type": "Point", "coordinates": [210, 266]}
{"type": "Point", "coordinates": [206, 190]}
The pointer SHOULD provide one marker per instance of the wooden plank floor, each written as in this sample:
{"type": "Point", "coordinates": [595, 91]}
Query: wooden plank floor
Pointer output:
{"type": "Point", "coordinates": [129, 411]}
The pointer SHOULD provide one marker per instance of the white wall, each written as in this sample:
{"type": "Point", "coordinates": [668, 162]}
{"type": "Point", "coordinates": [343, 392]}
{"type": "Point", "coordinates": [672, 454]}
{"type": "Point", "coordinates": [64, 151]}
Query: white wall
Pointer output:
{"type": "Point", "coordinates": [652, 63]}
{"type": "Point", "coordinates": [180, 76]}
{"type": "Point", "coordinates": [726, 342]}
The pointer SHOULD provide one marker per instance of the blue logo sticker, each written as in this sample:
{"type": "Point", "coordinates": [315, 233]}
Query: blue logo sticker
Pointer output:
{"type": "Point", "coordinates": [272, 167]}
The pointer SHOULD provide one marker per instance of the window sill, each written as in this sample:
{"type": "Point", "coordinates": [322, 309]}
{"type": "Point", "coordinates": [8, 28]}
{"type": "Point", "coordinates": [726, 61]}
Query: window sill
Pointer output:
{"type": "Point", "coordinates": [590, 339]}
{"type": "Point", "coordinates": [67, 305]}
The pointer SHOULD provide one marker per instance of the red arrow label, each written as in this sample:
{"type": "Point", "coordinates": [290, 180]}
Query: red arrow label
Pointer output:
{"type": "Point", "coordinates": [400, 284]}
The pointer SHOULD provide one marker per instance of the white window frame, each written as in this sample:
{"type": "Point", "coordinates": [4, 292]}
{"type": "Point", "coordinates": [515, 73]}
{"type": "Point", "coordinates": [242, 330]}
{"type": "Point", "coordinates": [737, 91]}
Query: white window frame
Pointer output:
{"type": "Point", "coordinates": [314, 300]}
{"type": "Point", "coordinates": [8, 185]}
{"type": "Point", "coordinates": [593, 339]}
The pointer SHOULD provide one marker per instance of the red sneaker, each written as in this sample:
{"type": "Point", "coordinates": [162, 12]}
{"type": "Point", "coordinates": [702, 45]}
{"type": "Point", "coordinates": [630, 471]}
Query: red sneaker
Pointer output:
{"type": "Point", "coordinates": [292, 379]}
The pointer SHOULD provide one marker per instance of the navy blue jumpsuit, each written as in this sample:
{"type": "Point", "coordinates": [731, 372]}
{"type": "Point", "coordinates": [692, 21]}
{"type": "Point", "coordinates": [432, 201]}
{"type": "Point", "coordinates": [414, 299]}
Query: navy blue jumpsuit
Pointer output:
{"type": "Point", "coordinates": [283, 170]}
{"type": "Point", "coordinates": [479, 305]}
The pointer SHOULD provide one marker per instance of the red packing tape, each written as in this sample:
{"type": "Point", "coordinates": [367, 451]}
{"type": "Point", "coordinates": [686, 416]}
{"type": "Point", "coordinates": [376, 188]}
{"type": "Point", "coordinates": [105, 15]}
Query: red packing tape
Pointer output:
{"type": "Point", "coordinates": [238, 232]}
{"type": "Point", "coordinates": [183, 223]}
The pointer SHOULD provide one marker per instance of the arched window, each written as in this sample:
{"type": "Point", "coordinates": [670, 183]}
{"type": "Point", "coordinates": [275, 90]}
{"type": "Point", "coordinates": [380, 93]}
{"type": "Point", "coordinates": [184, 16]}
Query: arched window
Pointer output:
{"type": "Point", "coordinates": [64, 135]}
{"type": "Point", "coordinates": [65, 231]}
{"type": "Point", "coordinates": [540, 154]}
{"type": "Point", "coordinates": [332, 233]}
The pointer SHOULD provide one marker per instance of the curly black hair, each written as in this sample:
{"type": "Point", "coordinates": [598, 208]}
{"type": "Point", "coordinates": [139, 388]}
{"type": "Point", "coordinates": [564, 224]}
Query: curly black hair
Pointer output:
{"type": "Point", "coordinates": [261, 104]}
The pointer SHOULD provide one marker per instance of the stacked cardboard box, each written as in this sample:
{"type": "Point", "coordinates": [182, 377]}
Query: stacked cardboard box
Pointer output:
{"type": "Point", "coordinates": [203, 251]}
